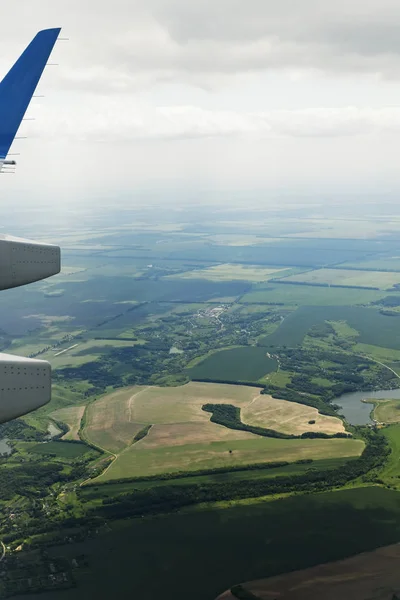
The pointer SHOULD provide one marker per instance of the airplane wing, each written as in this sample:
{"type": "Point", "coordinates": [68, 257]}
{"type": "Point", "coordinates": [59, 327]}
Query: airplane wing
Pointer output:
{"type": "Point", "coordinates": [25, 383]}
{"type": "Point", "coordinates": [18, 87]}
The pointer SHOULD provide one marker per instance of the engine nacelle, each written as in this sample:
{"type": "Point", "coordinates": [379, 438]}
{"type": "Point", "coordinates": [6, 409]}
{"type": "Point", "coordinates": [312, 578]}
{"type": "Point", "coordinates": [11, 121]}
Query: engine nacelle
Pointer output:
{"type": "Point", "coordinates": [25, 385]}
{"type": "Point", "coordinates": [25, 261]}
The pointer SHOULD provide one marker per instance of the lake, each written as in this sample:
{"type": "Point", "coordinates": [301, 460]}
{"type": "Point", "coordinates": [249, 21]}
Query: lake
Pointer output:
{"type": "Point", "coordinates": [357, 412]}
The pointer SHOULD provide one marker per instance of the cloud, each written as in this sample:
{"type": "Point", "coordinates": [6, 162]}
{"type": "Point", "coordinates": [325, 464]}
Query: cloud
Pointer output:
{"type": "Point", "coordinates": [116, 119]}
{"type": "Point", "coordinates": [130, 45]}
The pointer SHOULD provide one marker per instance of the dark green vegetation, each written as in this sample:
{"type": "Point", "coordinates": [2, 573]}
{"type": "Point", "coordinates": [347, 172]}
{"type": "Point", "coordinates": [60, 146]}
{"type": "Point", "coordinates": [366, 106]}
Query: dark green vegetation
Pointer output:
{"type": "Point", "coordinates": [229, 416]}
{"type": "Point", "coordinates": [239, 364]}
{"type": "Point", "coordinates": [254, 471]}
{"type": "Point", "coordinates": [61, 449]}
{"type": "Point", "coordinates": [373, 327]}
{"type": "Point", "coordinates": [167, 498]}
{"type": "Point", "coordinates": [178, 553]}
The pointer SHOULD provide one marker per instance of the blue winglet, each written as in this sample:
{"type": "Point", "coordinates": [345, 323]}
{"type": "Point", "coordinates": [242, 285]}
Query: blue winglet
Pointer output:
{"type": "Point", "coordinates": [18, 86]}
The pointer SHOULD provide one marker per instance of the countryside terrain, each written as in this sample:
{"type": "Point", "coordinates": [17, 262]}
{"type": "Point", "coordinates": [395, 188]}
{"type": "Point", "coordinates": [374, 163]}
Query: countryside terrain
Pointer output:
{"type": "Point", "coordinates": [208, 373]}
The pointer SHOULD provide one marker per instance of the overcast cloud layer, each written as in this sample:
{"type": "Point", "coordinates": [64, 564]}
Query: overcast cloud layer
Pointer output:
{"type": "Point", "coordinates": [210, 92]}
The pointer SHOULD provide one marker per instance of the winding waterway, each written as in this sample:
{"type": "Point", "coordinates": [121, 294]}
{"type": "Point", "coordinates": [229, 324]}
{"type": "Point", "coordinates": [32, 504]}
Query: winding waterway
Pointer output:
{"type": "Point", "coordinates": [357, 412]}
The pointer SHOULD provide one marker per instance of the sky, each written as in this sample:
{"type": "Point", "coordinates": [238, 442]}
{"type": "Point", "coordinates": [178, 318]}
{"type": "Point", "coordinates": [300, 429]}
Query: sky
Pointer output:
{"type": "Point", "coordinates": [270, 95]}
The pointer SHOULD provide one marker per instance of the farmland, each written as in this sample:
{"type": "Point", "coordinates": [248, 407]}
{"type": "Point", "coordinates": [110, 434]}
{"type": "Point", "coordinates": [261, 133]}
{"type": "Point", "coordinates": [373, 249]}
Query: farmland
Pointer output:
{"type": "Point", "coordinates": [293, 295]}
{"type": "Point", "coordinates": [387, 411]}
{"type": "Point", "coordinates": [61, 449]}
{"type": "Point", "coordinates": [72, 417]}
{"type": "Point", "coordinates": [109, 422]}
{"type": "Point", "coordinates": [332, 526]}
{"type": "Point", "coordinates": [182, 437]}
{"type": "Point", "coordinates": [372, 327]}
{"type": "Point", "coordinates": [232, 272]}
{"type": "Point", "coordinates": [139, 461]}
{"type": "Point", "coordinates": [391, 471]}
{"type": "Point", "coordinates": [288, 417]}
{"type": "Point", "coordinates": [379, 279]}
{"type": "Point", "coordinates": [237, 364]}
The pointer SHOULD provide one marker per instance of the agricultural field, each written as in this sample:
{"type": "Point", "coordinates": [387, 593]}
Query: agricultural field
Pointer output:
{"type": "Point", "coordinates": [183, 404]}
{"type": "Point", "coordinates": [391, 471]}
{"type": "Point", "coordinates": [379, 279]}
{"type": "Point", "coordinates": [383, 263]}
{"type": "Point", "coordinates": [80, 353]}
{"type": "Point", "coordinates": [109, 421]}
{"type": "Point", "coordinates": [182, 437]}
{"type": "Point", "coordinates": [306, 295]}
{"type": "Point", "coordinates": [372, 327]}
{"type": "Point", "coordinates": [173, 551]}
{"type": "Point", "coordinates": [355, 578]}
{"type": "Point", "coordinates": [232, 272]}
{"type": "Point", "coordinates": [248, 363]}
{"type": "Point", "coordinates": [61, 449]}
{"type": "Point", "coordinates": [113, 421]}
{"type": "Point", "coordinates": [72, 417]}
{"type": "Point", "coordinates": [288, 417]}
{"type": "Point", "coordinates": [387, 411]}
{"type": "Point", "coordinates": [138, 461]}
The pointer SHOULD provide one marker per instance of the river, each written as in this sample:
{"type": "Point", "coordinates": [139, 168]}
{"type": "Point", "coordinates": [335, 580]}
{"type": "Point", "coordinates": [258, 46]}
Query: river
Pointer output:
{"type": "Point", "coordinates": [357, 412]}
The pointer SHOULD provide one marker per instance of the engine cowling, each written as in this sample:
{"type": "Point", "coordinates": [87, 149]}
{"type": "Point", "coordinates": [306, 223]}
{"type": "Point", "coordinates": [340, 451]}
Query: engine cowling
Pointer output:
{"type": "Point", "coordinates": [25, 385]}
{"type": "Point", "coordinates": [25, 261]}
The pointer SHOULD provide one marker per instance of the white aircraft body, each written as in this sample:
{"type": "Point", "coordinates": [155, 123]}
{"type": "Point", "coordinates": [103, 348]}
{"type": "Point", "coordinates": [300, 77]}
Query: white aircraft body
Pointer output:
{"type": "Point", "coordinates": [25, 383]}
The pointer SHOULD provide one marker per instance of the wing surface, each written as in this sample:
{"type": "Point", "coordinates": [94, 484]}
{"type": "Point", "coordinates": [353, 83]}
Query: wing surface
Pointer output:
{"type": "Point", "coordinates": [18, 86]}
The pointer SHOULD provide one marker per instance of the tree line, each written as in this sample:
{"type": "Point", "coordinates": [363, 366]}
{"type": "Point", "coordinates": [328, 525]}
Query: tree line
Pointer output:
{"type": "Point", "coordinates": [229, 416]}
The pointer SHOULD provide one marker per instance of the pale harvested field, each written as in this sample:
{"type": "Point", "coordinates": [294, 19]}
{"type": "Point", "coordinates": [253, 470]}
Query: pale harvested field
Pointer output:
{"type": "Point", "coordinates": [178, 434]}
{"type": "Point", "coordinates": [182, 438]}
{"type": "Point", "coordinates": [288, 417]}
{"type": "Point", "coordinates": [72, 417]}
{"type": "Point", "coordinates": [229, 272]}
{"type": "Point", "coordinates": [183, 404]}
{"type": "Point", "coordinates": [380, 279]}
{"type": "Point", "coordinates": [109, 422]}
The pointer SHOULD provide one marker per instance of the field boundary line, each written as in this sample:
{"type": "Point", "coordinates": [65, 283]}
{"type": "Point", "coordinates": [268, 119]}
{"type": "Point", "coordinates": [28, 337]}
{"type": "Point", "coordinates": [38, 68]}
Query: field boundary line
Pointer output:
{"type": "Point", "coordinates": [132, 398]}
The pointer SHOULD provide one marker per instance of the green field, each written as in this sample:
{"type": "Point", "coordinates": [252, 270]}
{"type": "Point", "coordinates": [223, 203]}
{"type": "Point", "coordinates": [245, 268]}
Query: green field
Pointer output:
{"type": "Point", "coordinates": [201, 553]}
{"type": "Point", "coordinates": [83, 352]}
{"type": "Point", "coordinates": [311, 296]}
{"type": "Point", "coordinates": [373, 327]}
{"type": "Point", "coordinates": [61, 449]}
{"type": "Point", "coordinates": [391, 472]}
{"type": "Point", "coordinates": [139, 461]}
{"type": "Point", "coordinates": [387, 411]}
{"type": "Point", "coordinates": [233, 272]}
{"type": "Point", "coordinates": [389, 263]}
{"type": "Point", "coordinates": [379, 279]}
{"type": "Point", "coordinates": [248, 363]}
